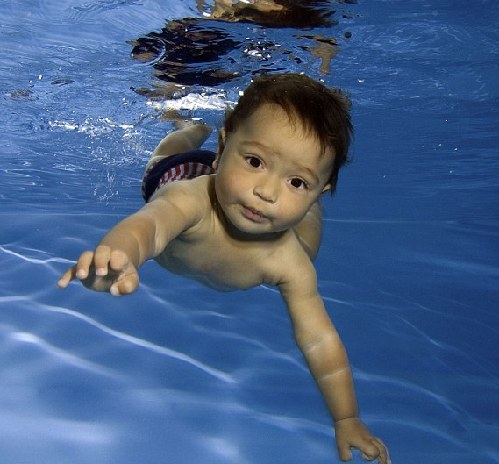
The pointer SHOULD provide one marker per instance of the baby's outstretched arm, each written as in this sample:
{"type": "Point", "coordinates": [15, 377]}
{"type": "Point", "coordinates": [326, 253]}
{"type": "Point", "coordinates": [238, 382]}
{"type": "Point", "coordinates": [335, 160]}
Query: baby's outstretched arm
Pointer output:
{"type": "Point", "coordinates": [113, 265]}
{"type": "Point", "coordinates": [326, 357]}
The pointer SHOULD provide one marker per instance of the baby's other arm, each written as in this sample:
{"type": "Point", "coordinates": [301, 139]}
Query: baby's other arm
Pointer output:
{"type": "Point", "coordinates": [113, 265]}
{"type": "Point", "coordinates": [326, 357]}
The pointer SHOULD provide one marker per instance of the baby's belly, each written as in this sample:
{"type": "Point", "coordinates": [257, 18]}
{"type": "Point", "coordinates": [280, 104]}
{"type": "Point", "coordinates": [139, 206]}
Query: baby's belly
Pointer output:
{"type": "Point", "coordinates": [219, 276]}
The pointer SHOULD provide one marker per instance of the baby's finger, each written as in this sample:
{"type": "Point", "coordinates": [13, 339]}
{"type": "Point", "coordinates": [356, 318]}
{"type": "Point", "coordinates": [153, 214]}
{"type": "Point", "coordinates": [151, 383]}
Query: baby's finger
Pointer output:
{"type": "Point", "coordinates": [376, 449]}
{"type": "Point", "coordinates": [125, 285]}
{"type": "Point", "coordinates": [384, 456]}
{"type": "Point", "coordinates": [101, 260]}
{"type": "Point", "coordinates": [370, 452]}
{"type": "Point", "coordinates": [83, 265]}
{"type": "Point", "coordinates": [67, 277]}
{"type": "Point", "coordinates": [344, 452]}
{"type": "Point", "coordinates": [118, 260]}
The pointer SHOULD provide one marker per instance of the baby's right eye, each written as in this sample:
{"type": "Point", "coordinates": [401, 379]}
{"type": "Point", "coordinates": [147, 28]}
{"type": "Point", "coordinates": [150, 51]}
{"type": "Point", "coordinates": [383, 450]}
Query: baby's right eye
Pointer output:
{"type": "Point", "coordinates": [253, 161]}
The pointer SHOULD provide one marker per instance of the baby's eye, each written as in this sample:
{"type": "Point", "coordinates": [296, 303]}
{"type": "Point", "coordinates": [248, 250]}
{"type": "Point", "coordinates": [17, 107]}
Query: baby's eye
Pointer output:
{"type": "Point", "coordinates": [254, 162]}
{"type": "Point", "coordinates": [298, 183]}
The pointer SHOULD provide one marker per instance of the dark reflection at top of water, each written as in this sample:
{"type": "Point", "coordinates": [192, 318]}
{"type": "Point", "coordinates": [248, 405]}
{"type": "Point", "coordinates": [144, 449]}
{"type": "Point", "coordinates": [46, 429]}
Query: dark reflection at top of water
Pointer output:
{"type": "Point", "coordinates": [214, 50]}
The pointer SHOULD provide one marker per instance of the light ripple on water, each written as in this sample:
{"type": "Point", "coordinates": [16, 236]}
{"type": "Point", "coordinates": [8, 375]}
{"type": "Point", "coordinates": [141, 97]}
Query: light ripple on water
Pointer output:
{"type": "Point", "coordinates": [57, 353]}
{"type": "Point", "coordinates": [45, 430]}
{"type": "Point", "coordinates": [32, 260]}
{"type": "Point", "coordinates": [227, 378]}
{"type": "Point", "coordinates": [26, 255]}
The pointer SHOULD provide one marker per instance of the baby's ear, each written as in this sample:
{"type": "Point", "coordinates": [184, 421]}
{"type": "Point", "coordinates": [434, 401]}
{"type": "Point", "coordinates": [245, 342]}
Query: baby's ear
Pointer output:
{"type": "Point", "coordinates": [327, 187]}
{"type": "Point", "coordinates": [220, 149]}
{"type": "Point", "coordinates": [221, 140]}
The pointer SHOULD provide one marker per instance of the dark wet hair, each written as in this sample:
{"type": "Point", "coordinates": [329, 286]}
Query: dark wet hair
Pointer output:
{"type": "Point", "coordinates": [323, 111]}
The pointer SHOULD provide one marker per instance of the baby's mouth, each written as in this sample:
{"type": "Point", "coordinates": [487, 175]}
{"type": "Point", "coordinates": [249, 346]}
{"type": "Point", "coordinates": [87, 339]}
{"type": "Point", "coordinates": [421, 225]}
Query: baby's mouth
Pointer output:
{"type": "Point", "coordinates": [253, 214]}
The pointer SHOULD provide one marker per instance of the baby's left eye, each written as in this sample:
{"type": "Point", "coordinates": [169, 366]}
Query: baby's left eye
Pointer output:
{"type": "Point", "coordinates": [298, 183]}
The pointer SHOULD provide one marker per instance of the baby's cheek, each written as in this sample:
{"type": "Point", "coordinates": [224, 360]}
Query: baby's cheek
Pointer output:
{"type": "Point", "coordinates": [295, 211]}
{"type": "Point", "coordinates": [238, 182]}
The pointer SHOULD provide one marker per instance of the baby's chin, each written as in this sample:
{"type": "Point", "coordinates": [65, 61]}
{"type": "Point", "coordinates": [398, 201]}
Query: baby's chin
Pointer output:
{"type": "Point", "coordinates": [257, 232]}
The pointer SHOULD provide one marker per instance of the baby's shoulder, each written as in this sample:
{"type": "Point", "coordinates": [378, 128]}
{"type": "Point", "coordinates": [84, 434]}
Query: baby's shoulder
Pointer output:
{"type": "Point", "coordinates": [288, 260]}
{"type": "Point", "coordinates": [186, 192]}
{"type": "Point", "coordinates": [187, 199]}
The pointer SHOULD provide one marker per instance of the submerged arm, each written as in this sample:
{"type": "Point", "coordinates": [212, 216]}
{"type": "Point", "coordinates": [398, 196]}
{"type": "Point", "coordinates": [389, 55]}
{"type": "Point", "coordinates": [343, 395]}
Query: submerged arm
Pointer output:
{"type": "Point", "coordinates": [327, 360]}
{"type": "Point", "coordinates": [323, 351]}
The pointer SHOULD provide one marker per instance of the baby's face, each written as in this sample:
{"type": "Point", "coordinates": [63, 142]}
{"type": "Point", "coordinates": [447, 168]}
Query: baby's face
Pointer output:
{"type": "Point", "coordinates": [270, 173]}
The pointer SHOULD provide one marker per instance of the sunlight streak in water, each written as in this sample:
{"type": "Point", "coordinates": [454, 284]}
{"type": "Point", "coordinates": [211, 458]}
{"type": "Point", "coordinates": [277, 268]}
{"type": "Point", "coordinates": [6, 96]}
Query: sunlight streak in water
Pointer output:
{"type": "Point", "coordinates": [56, 430]}
{"type": "Point", "coordinates": [75, 361]}
{"type": "Point", "coordinates": [224, 448]}
{"type": "Point", "coordinates": [144, 344]}
{"type": "Point", "coordinates": [34, 260]}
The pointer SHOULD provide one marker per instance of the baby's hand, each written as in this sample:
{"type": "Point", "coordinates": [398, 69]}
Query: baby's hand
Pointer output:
{"type": "Point", "coordinates": [353, 434]}
{"type": "Point", "coordinates": [104, 270]}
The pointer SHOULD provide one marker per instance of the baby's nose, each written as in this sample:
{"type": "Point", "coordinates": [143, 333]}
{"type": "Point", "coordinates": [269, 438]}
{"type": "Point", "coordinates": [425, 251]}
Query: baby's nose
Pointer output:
{"type": "Point", "coordinates": [267, 189]}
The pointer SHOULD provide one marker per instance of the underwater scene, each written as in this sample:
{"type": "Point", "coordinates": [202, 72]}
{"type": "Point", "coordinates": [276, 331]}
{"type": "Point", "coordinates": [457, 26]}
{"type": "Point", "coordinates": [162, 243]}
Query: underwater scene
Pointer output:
{"type": "Point", "coordinates": [179, 373]}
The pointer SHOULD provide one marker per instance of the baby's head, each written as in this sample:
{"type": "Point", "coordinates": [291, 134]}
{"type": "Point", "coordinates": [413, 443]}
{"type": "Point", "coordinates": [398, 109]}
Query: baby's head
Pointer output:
{"type": "Point", "coordinates": [323, 112]}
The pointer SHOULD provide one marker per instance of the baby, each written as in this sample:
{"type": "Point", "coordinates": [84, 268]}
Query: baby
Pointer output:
{"type": "Point", "coordinates": [245, 216]}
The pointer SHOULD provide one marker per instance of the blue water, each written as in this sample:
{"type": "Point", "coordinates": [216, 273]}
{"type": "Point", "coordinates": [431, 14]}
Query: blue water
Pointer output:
{"type": "Point", "coordinates": [180, 374]}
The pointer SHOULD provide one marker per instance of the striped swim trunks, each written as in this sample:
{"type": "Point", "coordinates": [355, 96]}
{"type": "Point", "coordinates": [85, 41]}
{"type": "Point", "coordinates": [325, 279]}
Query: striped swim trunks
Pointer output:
{"type": "Point", "coordinates": [182, 166]}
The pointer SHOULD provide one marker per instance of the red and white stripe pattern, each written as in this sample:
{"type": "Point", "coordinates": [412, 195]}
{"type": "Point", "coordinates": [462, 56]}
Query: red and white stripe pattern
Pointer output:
{"type": "Point", "coordinates": [184, 171]}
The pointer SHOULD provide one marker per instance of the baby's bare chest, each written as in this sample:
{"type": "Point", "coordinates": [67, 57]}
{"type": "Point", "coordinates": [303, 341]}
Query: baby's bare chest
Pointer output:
{"type": "Point", "coordinates": [216, 263]}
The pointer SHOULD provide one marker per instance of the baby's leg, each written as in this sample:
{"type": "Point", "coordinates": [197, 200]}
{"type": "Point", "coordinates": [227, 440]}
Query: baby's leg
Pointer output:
{"type": "Point", "coordinates": [309, 230]}
{"type": "Point", "coordinates": [188, 137]}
